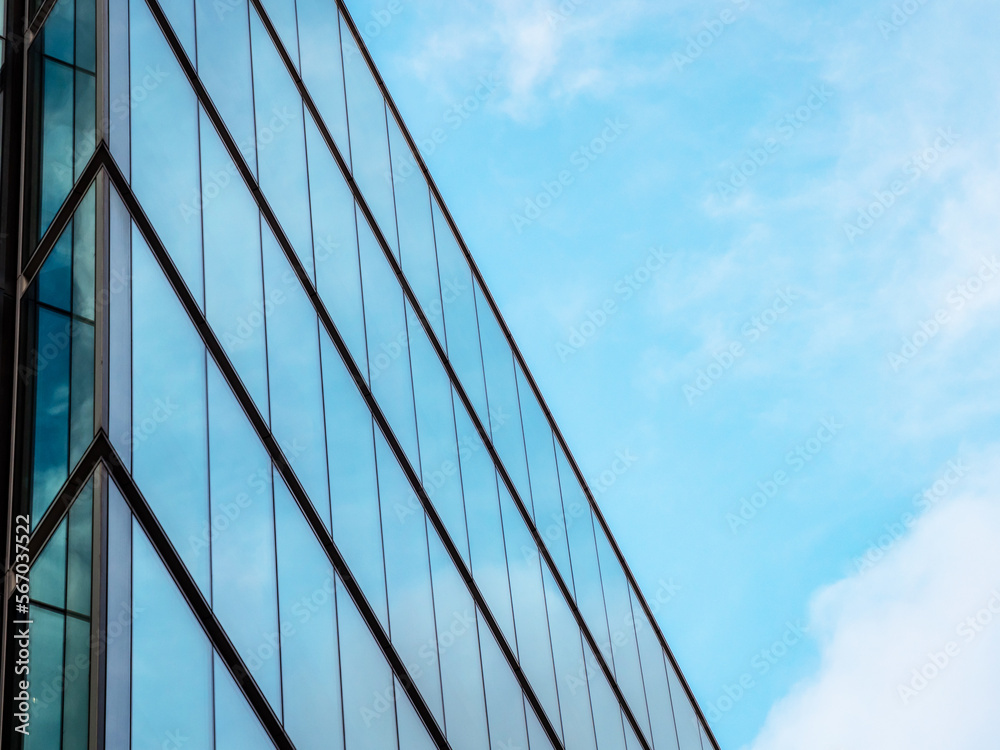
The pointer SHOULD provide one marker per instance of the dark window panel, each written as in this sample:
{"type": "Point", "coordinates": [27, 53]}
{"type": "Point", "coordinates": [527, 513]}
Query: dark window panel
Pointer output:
{"type": "Point", "coordinates": [46, 663]}
{"type": "Point", "coordinates": [59, 32]}
{"type": "Point", "coordinates": [55, 280]}
{"type": "Point", "coordinates": [47, 583]}
{"type": "Point", "coordinates": [84, 114]}
{"type": "Point", "coordinates": [76, 685]}
{"type": "Point", "coordinates": [78, 551]}
{"type": "Point", "coordinates": [56, 138]}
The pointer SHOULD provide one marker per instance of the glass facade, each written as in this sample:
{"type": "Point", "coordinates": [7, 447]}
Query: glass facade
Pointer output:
{"type": "Point", "coordinates": [281, 477]}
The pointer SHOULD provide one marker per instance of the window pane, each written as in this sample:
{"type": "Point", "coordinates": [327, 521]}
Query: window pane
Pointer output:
{"type": "Point", "coordinates": [119, 310]}
{"type": "Point", "coordinates": [171, 658]}
{"type": "Point", "coordinates": [416, 229]}
{"type": "Point", "coordinates": [439, 451]}
{"type": "Point", "coordinates": [338, 270]}
{"type": "Point", "coordinates": [388, 341]}
{"type": "Point", "coordinates": [369, 699]}
{"type": "Point", "coordinates": [654, 678]}
{"type": "Point", "coordinates": [169, 411]}
{"type": "Point", "coordinates": [607, 711]}
{"type": "Point", "coordinates": [165, 168]}
{"type": "Point", "coordinates": [282, 15]}
{"type": "Point", "coordinates": [501, 393]}
{"type": "Point", "coordinates": [322, 66]}
{"type": "Point", "coordinates": [369, 141]}
{"type": "Point", "coordinates": [180, 13]}
{"type": "Point", "coordinates": [76, 685]}
{"type": "Point", "coordinates": [684, 715]}
{"type": "Point", "coordinates": [408, 580]}
{"type": "Point", "coordinates": [57, 139]}
{"type": "Point", "coordinates": [533, 640]}
{"type": "Point", "coordinates": [236, 725]}
{"type": "Point", "coordinates": [120, 615]}
{"type": "Point", "coordinates": [412, 732]}
{"type": "Point", "coordinates": [224, 68]}
{"type": "Point", "coordinates": [461, 675]}
{"type": "Point", "coordinates": [51, 429]}
{"type": "Point", "coordinates": [78, 546]}
{"type": "Point", "coordinates": [486, 538]}
{"type": "Point", "coordinates": [310, 662]}
{"type": "Point", "coordinates": [234, 285]}
{"type": "Point", "coordinates": [241, 537]}
{"type": "Point", "coordinates": [47, 582]}
{"type": "Point", "coordinates": [46, 663]}
{"type": "Point", "coordinates": [504, 699]}
{"type": "Point", "coordinates": [295, 376]}
{"type": "Point", "coordinates": [357, 520]}
{"type": "Point", "coordinates": [281, 137]}
{"type": "Point", "coordinates": [460, 314]}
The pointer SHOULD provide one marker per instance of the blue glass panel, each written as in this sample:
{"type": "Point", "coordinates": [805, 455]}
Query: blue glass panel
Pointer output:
{"type": "Point", "coordinates": [551, 518]}
{"type": "Point", "coordinates": [486, 538]}
{"type": "Point", "coordinates": [46, 658]}
{"type": "Point", "coordinates": [357, 520]}
{"type": "Point", "coordinates": [338, 270]}
{"type": "Point", "coordinates": [583, 553]}
{"type": "Point", "coordinates": [368, 685]}
{"type": "Point", "coordinates": [241, 538]}
{"type": "Point", "coordinates": [234, 284]}
{"type": "Point", "coordinates": [86, 36]}
{"type": "Point", "coordinates": [533, 638]}
{"type": "Point", "coordinates": [81, 402]}
{"type": "Point", "coordinates": [688, 731]}
{"type": "Point", "coordinates": [224, 68]}
{"type": "Point", "coordinates": [169, 411]}
{"type": "Point", "coordinates": [458, 650]}
{"type": "Point", "coordinates": [51, 432]}
{"type": "Point", "coordinates": [654, 678]}
{"type": "Point", "coordinates": [388, 341]}
{"type": "Point", "coordinates": [501, 393]}
{"type": "Point", "coordinates": [538, 739]}
{"type": "Point", "coordinates": [47, 582]}
{"type": "Point", "coordinates": [567, 651]}
{"type": "Point", "coordinates": [408, 579]}
{"type": "Point", "coordinates": [295, 375]}
{"type": "Point", "coordinates": [165, 165]}
{"type": "Point", "coordinates": [505, 703]}
{"type": "Point", "coordinates": [236, 725]}
{"type": "Point", "coordinates": [607, 712]}
{"type": "Point", "coordinates": [171, 659]}
{"type": "Point", "coordinates": [55, 282]}
{"type": "Point", "coordinates": [631, 739]}
{"type": "Point", "coordinates": [180, 13]}
{"type": "Point", "coordinates": [439, 449]}
{"type": "Point", "coordinates": [84, 133]}
{"type": "Point", "coordinates": [418, 257]}
{"type": "Point", "coordinates": [59, 31]}
{"type": "Point", "coordinates": [57, 139]}
{"type": "Point", "coordinates": [366, 117]}
{"type": "Point", "coordinates": [310, 662]}
{"type": "Point", "coordinates": [625, 650]}
{"type": "Point", "coordinates": [412, 732]}
{"type": "Point", "coordinates": [76, 685]}
{"type": "Point", "coordinates": [84, 245]}
{"type": "Point", "coordinates": [460, 322]}
{"type": "Point", "coordinates": [281, 148]}
{"type": "Point", "coordinates": [119, 307]}
{"type": "Point", "coordinates": [119, 88]}
{"type": "Point", "coordinates": [322, 66]}
{"type": "Point", "coordinates": [282, 15]}
{"type": "Point", "coordinates": [79, 542]}
{"type": "Point", "coordinates": [119, 634]}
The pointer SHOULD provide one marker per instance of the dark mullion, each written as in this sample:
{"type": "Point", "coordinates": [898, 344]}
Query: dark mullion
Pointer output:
{"type": "Point", "coordinates": [195, 598]}
{"type": "Point", "coordinates": [328, 323]}
{"type": "Point", "coordinates": [214, 347]}
{"type": "Point", "coordinates": [521, 361]}
{"type": "Point", "coordinates": [418, 311]}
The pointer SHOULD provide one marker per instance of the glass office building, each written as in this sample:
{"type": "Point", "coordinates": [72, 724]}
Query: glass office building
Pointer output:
{"type": "Point", "coordinates": [278, 476]}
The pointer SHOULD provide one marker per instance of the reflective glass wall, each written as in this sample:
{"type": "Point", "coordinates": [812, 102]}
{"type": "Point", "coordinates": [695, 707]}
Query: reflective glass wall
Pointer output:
{"type": "Point", "coordinates": [331, 508]}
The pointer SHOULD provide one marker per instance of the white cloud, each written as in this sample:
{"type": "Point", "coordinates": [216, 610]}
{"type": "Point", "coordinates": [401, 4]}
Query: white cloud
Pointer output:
{"type": "Point", "coordinates": [875, 628]}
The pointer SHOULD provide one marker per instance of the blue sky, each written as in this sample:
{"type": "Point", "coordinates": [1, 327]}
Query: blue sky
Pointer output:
{"type": "Point", "coordinates": [753, 246]}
